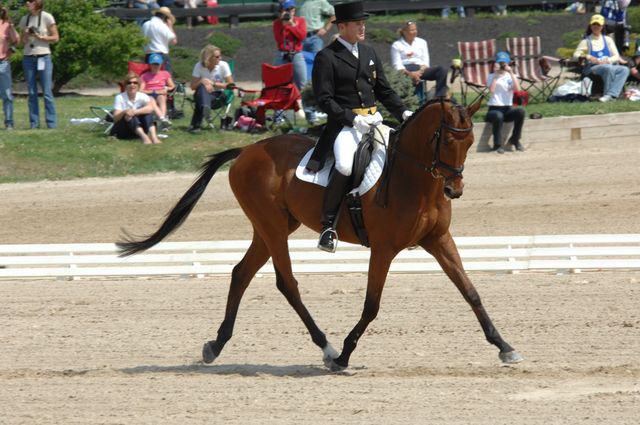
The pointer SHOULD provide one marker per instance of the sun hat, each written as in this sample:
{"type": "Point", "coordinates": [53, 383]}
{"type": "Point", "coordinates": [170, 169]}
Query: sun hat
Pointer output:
{"type": "Point", "coordinates": [597, 19]}
{"type": "Point", "coordinates": [288, 4]}
{"type": "Point", "coordinates": [349, 12]}
{"type": "Point", "coordinates": [503, 57]}
{"type": "Point", "coordinates": [155, 58]}
{"type": "Point", "coordinates": [166, 12]}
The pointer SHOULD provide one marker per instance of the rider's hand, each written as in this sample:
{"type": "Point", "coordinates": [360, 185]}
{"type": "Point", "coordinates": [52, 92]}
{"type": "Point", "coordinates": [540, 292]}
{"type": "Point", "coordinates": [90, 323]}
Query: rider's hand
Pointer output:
{"type": "Point", "coordinates": [406, 114]}
{"type": "Point", "coordinates": [375, 119]}
{"type": "Point", "coordinates": [360, 124]}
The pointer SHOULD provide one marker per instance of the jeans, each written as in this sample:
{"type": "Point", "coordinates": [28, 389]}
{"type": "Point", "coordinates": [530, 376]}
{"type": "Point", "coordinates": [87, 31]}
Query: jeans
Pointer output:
{"type": "Point", "coordinates": [5, 92]}
{"type": "Point", "coordinates": [299, 68]}
{"type": "Point", "coordinates": [613, 76]}
{"type": "Point", "coordinates": [124, 129]}
{"type": "Point", "coordinates": [497, 115]}
{"type": "Point", "coordinates": [202, 98]}
{"type": "Point", "coordinates": [32, 75]}
{"type": "Point", "coordinates": [312, 44]}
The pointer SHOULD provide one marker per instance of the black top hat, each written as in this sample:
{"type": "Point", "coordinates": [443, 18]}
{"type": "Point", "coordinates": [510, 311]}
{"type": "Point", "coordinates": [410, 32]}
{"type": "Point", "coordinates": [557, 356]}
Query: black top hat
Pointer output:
{"type": "Point", "coordinates": [348, 12]}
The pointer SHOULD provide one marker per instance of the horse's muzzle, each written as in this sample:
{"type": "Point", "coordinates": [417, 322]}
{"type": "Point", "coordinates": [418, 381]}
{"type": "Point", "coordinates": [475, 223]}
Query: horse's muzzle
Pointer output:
{"type": "Point", "coordinates": [453, 188]}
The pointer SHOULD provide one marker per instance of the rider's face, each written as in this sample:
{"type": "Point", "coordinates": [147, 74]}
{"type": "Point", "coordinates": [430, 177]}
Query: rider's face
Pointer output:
{"type": "Point", "coordinates": [353, 32]}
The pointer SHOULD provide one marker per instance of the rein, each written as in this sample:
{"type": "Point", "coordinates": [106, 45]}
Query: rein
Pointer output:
{"type": "Point", "coordinates": [437, 163]}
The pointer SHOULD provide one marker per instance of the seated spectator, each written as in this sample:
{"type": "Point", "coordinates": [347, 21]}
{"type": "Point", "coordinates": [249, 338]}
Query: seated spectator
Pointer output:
{"type": "Point", "coordinates": [502, 83]}
{"type": "Point", "coordinates": [602, 59]}
{"type": "Point", "coordinates": [289, 32]}
{"type": "Point", "coordinates": [143, 4]}
{"type": "Point", "coordinates": [133, 113]}
{"type": "Point", "coordinates": [209, 78]}
{"type": "Point", "coordinates": [410, 55]}
{"type": "Point", "coordinates": [193, 4]}
{"type": "Point", "coordinates": [500, 10]}
{"type": "Point", "coordinates": [634, 64]}
{"type": "Point", "coordinates": [158, 83]}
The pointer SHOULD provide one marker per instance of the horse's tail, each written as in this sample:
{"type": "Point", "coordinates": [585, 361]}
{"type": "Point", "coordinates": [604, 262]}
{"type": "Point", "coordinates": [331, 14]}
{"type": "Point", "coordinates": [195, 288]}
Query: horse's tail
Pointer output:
{"type": "Point", "coordinates": [183, 208]}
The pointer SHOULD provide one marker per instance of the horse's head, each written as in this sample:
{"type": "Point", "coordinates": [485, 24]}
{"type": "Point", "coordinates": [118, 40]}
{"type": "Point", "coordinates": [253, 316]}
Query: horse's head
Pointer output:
{"type": "Point", "coordinates": [447, 131]}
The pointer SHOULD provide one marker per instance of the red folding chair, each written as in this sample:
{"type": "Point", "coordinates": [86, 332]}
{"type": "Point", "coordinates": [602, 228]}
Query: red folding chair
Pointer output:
{"type": "Point", "coordinates": [279, 93]}
{"type": "Point", "coordinates": [477, 62]}
{"type": "Point", "coordinates": [532, 68]}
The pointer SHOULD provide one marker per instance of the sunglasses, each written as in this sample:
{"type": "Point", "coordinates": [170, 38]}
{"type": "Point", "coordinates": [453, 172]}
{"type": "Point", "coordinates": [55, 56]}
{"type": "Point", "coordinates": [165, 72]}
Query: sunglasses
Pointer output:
{"type": "Point", "coordinates": [132, 82]}
{"type": "Point", "coordinates": [289, 9]}
{"type": "Point", "coordinates": [407, 23]}
{"type": "Point", "coordinates": [217, 57]}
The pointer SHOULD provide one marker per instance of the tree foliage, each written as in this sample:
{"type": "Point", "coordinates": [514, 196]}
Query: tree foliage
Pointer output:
{"type": "Point", "coordinates": [89, 41]}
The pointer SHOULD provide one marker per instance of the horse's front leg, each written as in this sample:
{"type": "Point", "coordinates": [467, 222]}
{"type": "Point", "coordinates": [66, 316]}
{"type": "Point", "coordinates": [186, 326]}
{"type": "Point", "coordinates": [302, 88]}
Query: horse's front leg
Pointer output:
{"type": "Point", "coordinates": [379, 263]}
{"type": "Point", "coordinates": [444, 250]}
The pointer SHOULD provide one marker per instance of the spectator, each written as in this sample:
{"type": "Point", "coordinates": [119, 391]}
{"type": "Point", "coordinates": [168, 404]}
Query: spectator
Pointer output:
{"type": "Point", "coordinates": [8, 38]}
{"type": "Point", "coordinates": [133, 113]}
{"type": "Point", "coordinates": [615, 20]}
{"type": "Point", "coordinates": [209, 78]}
{"type": "Point", "coordinates": [192, 4]}
{"type": "Point", "coordinates": [319, 15]}
{"type": "Point", "coordinates": [502, 83]}
{"type": "Point", "coordinates": [500, 10]}
{"type": "Point", "coordinates": [289, 31]}
{"type": "Point", "coordinates": [158, 83]}
{"type": "Point", "coordinates": [602, 59]}
{"type": "Point", "coordinates": [38, 31]}
{"type": "Point", "coordinates": [159, 31]}
{"type": "Point", "coordinates": [447, 11]}
{"type": "Point", "coordinates": [143, 4]}
{"type": "Point", "coordinates": [634, 64]}
{"type": "Point", "coordinates": [410, 55]}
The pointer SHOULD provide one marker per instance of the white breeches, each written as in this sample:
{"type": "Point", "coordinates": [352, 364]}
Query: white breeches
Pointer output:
{"type": "Point", "coordinates": [344, 149]}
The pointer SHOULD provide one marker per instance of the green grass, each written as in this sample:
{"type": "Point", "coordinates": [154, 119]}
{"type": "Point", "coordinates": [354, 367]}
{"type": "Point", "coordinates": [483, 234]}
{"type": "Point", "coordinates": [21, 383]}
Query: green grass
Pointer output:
{"type": "Point", "coordinates": [76, 151]}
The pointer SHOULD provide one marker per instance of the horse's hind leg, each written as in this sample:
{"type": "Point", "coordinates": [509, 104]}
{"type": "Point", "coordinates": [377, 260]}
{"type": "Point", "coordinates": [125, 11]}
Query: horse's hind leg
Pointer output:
{"type": "Point", "coordinates": [444, 250]}
{"type": "Point", "coordinates": [255, 257]}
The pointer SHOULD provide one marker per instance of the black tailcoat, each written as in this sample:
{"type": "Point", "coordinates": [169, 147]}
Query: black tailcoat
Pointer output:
{"type": "Point", "coordinates": [342, 82]}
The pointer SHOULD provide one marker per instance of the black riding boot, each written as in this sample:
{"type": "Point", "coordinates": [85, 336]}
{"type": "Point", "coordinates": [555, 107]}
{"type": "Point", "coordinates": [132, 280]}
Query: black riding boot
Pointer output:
{"type": "Point", "coordinates": [333, 196]}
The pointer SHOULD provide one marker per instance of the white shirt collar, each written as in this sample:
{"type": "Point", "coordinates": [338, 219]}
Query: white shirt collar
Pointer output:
{"type": "Point", "coordinates": [353, 48]}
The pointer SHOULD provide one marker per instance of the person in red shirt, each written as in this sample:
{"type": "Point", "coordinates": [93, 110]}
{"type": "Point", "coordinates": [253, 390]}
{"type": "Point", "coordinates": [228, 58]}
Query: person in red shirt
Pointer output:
{"type": "Point", "coordinates": [289, 31]}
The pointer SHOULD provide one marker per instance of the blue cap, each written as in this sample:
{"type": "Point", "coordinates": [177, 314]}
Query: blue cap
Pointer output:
{"type": "Point", "coordinates": [503, 57]}
{"type": "Point", "coordinates": [155, 58]}
{"type": "Point", "coordinates": [288, 4]}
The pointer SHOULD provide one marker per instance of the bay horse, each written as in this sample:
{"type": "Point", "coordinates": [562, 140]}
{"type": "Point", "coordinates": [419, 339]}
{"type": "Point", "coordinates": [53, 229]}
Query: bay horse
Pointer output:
{"type": "Point", "coordinates": [430, 150]}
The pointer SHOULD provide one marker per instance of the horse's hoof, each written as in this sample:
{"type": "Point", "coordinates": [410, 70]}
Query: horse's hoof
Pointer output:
{"type": "Point", "coordinates": [510, 357]}
{"type": "Point", "coordinates": [208, 355]}
{"type": "Point", "coordinates": [329, 354]}
{"type": "Point", "coordinates": [335, 367]}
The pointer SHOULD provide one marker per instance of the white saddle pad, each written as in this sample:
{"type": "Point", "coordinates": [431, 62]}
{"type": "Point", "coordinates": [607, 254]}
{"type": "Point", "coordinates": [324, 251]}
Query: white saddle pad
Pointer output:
{"type": "Point", "coordinates": [371, 174]}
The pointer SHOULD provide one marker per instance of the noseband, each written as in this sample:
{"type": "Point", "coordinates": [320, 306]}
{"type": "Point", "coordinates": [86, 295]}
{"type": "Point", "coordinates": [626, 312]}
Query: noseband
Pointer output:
{"type": "Point", "coordinates": [437, 164]}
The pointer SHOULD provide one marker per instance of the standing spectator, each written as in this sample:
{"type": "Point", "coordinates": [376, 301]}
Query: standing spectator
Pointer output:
{"type": "Point", "coordinates": [192, 4]}
{"type": "Point", "coordinates": [159, 31]}
{"type": "Point", "coordinates": [447, 11]}
{"type": "Point", "coordinates": [8, 38]}
{"type": "Point", "coordinates": [410, 55]}
{"type": "Point", "coordinates": [615, 20]}
{"type": "Point", "coordinates": [319, 15]}
{"type": "Point", "coordinates": [133, 113]}
{"type": "Point", "coordinates": [502, 83]}
{"type": "Point", "coordinates": [602, 59]}
{"type": "Point", "coordinates": [38, 31]}
{"type": "Point", "coordinates": [209, 78]}
{"type": "Point", "coordinates": [289, 31]}
{"type": "Point", "coordinates": [157, 84]}
{"type": "Point", "coordinates": [634, 64]}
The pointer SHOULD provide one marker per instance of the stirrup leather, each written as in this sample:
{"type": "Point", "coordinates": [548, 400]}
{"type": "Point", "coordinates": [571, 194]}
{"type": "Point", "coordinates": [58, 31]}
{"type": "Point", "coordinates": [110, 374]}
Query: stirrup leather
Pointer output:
{"type": "Point", "coordinates": [332, 243]}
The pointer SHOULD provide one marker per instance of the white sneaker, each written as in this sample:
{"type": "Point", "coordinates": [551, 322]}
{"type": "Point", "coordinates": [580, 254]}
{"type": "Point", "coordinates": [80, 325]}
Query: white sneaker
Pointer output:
{"type": "Point", "coordinates": [605, 98]}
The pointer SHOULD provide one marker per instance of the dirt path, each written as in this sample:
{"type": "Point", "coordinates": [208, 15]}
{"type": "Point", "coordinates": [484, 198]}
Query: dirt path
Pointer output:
{"type": "Point", "coordinates": [128, 351]}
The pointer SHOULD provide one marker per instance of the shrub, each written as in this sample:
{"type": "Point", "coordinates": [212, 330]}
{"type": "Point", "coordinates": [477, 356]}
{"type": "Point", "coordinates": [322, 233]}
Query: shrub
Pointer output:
{"type": "Point", "coordinates": [228, 45]}
{"type": "Point", "coordinates": [89, 42]}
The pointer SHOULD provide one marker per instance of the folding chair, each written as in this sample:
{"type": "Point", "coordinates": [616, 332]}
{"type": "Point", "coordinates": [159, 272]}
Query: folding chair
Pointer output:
{"type": "Point", "coordinates": [279, 93]}
{"type": "Point", "coordinates": [221, 105]}
{"type": "Point", "coordinates": [477, 59]}
{"type": "Point", "coordinates": [104, 117]}
{"type": "Point", "coordinates": [533, 69]}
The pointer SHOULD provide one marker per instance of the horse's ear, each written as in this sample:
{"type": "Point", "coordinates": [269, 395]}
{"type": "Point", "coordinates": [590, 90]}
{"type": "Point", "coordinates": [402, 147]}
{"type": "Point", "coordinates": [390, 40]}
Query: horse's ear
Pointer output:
{"type": "Point", "coordinates": [474, 108]}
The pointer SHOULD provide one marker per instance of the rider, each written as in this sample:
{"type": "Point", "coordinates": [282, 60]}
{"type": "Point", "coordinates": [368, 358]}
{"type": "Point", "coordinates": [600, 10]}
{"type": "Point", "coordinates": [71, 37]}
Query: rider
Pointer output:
{"type": "Point", "coordinates": [347, 80]}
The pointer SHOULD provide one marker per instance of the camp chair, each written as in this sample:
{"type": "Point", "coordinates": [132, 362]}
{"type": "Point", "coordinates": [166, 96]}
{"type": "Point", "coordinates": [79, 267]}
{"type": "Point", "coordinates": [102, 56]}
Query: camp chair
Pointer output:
{"type": "Point", "coordinates": [533, 69]}
{"type": "Point", "coordinates": [104, 117]}
{"type": "Point", "coordinates": [278, 94]}
{"type": "Point", "coordinates": [477, 59]}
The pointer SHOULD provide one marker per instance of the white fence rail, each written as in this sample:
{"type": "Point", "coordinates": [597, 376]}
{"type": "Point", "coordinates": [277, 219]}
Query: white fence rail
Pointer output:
{"type": "Point", "coordinates": [572, 253]}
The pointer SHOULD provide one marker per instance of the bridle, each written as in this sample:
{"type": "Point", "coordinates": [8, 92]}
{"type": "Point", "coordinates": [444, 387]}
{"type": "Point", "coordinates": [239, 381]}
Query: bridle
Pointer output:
{"type": "Point", "coordinates": [437, 164]}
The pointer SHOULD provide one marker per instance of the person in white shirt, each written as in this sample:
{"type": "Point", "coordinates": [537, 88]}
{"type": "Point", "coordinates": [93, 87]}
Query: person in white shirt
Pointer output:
{"type": "Point", "coordinates": [502, 83]}
{"type": "Point", "coordinates": [159, 30]}
{"type": "Point", "coordinates": [133, 113]}
{"type": "Point", "coordinates": [209, 78]}
{"type": "Point", "coordinates": [410, 55]}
